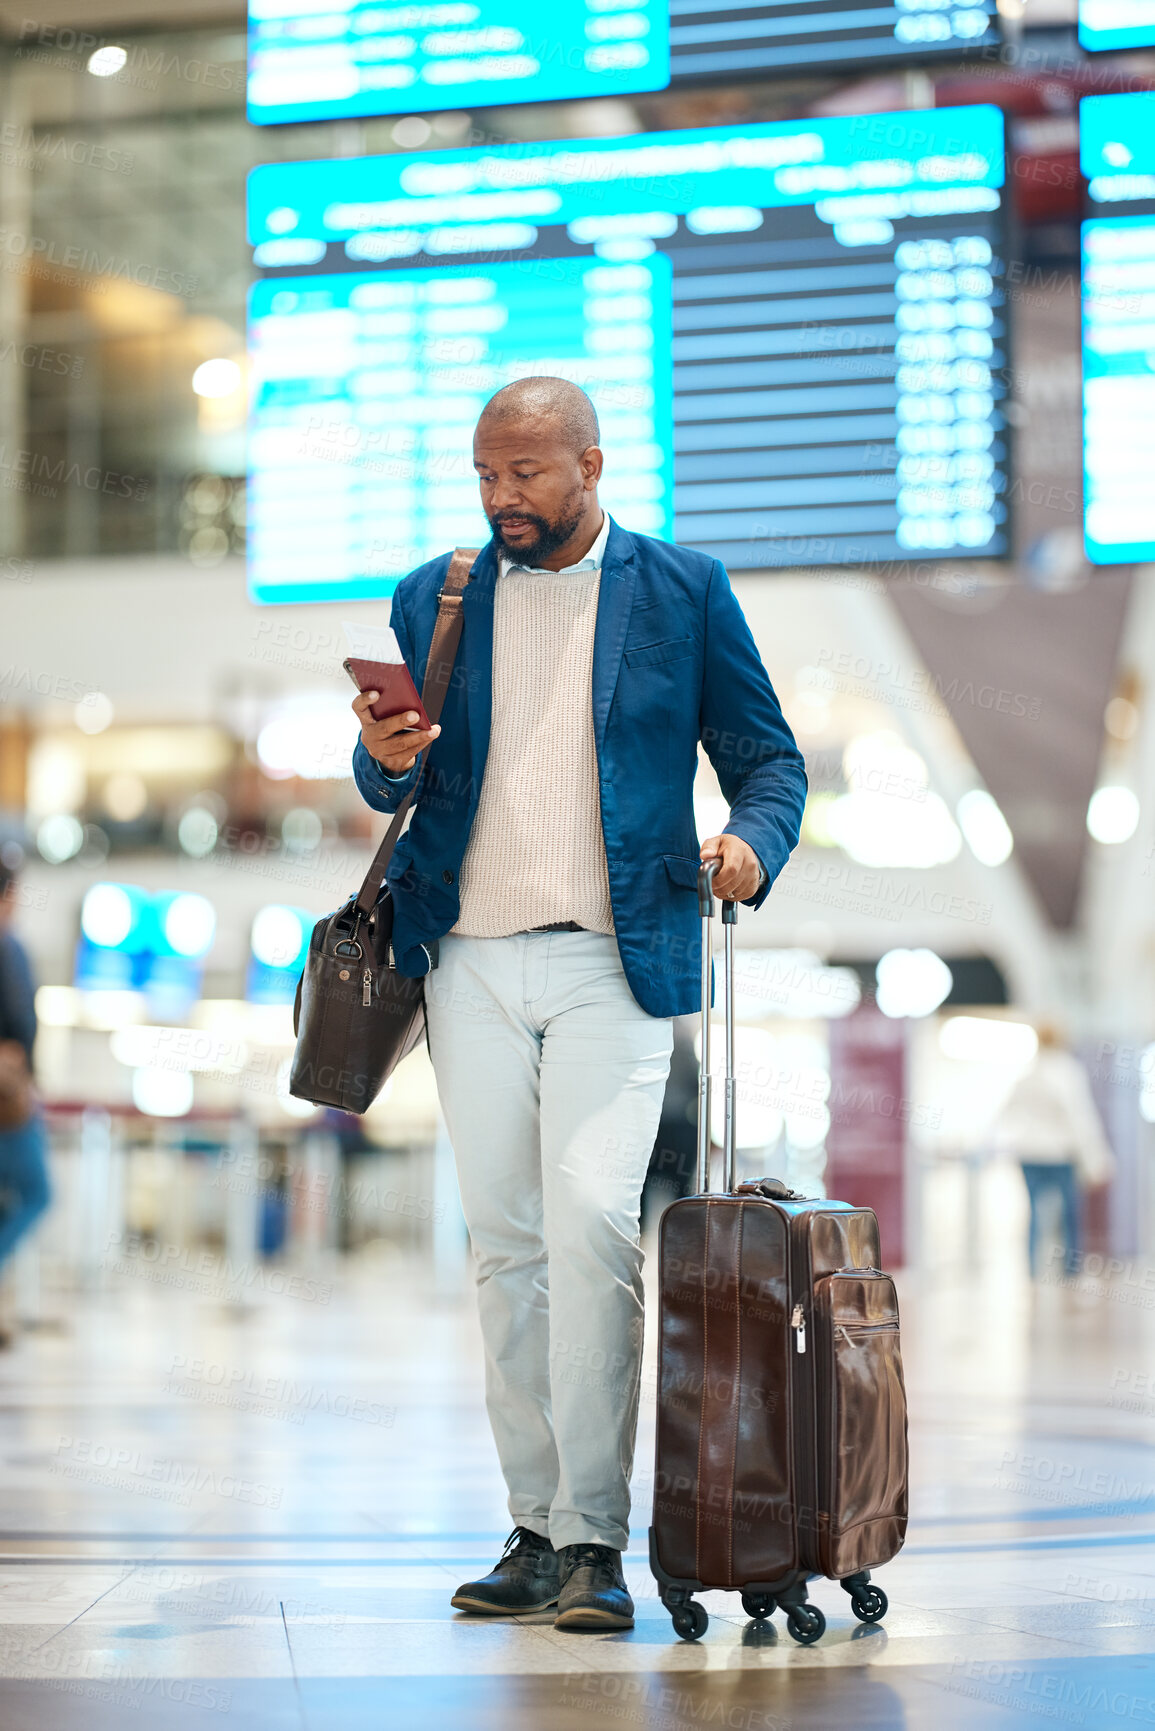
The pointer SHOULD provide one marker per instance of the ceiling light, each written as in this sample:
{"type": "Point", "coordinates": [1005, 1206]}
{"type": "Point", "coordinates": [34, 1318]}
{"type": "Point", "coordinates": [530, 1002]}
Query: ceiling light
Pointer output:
{"type": "Point", "coordinates": [216, 378]}
{"type": "Point", "coordinates": [197, 832]}
{"type": "Point", "coordinates": [108, 61]}
{"type": "Point", "coordinates": [190, 924]}
{"type": "Point", "coordinates": [162, 1093]}
{"type": "Point", "coordinates": [986, 830]}
{"type": "Point", "coordinates": [1121, 718]}
{"type": "Point", "coordinates": [1146, 1072]}
{"type": "Point", "coordinates": [912, 982]}
{"type": "Point", "coordinates": [1113, 814]}
{"type": "Point", "coordinates": [312, 737]}
{"type": "Point", "coordinates": [107, 915]}
{"type": "Point", "coordinates": [279, 936]}
{"type": "Point", "coordinates": [411, 132]}
{"type": "Point", "coordinates": [93, 713]}
{"type": "Point", "coordinates": [882, 829]}
{"type": "Point", "coordinates": [60, 838]}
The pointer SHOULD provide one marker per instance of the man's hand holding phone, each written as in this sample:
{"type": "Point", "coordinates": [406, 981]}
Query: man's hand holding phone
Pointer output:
{"type": "Point", "coordinates": [392, 742]}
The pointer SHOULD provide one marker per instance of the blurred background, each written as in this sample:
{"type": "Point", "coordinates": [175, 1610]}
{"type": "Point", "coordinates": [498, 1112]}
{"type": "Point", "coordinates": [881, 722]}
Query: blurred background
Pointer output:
{"type": "Point", "coordinates": [974, 703]}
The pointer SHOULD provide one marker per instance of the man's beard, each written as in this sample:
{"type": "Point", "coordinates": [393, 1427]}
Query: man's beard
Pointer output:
{"type": "Point", "coordinates": [550, 536]}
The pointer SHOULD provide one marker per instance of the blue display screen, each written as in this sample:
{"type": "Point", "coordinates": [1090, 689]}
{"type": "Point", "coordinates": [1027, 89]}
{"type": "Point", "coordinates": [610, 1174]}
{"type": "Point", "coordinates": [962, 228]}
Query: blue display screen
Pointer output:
{"type": "Point", "coordinates": [793, 335]}
{"type": "Point", "coordinates": [323, 59]}
{"type": "Point", "coordinates": [1117, 149]}
{"type": "Point", "coordinates": [1116, 24]}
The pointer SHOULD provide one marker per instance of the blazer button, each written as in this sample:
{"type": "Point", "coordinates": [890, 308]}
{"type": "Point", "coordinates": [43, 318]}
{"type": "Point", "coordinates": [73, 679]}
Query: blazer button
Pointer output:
{"type": "Point", "coordinates": [447, 876]}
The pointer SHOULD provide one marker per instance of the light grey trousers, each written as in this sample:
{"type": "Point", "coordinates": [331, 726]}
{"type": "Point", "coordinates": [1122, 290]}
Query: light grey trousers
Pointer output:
{"type": "Point", "coordinates": [551, 1079]}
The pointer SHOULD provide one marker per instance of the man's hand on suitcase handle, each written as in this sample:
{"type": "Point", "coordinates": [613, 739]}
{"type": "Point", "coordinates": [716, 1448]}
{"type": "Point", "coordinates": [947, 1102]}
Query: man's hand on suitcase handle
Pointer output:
{"type": "Point", "coordinates": [394, 748]}
{"type": "Point", "coordinates": [739, 873]}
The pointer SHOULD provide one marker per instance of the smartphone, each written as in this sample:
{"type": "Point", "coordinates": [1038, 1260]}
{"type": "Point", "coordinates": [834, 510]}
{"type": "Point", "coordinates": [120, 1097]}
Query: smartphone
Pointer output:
{"type": "Point", "coordinates": [395, 683]}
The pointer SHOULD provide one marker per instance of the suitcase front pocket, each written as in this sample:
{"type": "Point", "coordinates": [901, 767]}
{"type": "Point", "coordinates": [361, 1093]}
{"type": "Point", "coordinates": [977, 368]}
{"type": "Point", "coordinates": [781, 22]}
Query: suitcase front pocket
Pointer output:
{"type": "Point", "coordinates": [862, 1498]}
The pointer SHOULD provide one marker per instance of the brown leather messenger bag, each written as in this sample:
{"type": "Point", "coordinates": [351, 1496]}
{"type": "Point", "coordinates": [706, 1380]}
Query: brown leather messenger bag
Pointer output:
{"type": "Point", "coordinates": [356, 1016]}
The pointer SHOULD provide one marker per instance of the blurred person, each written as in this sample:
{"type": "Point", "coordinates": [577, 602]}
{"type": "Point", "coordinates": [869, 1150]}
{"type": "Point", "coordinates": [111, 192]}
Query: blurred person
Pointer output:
{"type": "Point", "coordinates": [556, 864]}
{"type": "Point", "coordinates": [24, 1191]}
{"type": "Point", "coordinates": [1051, 1126]}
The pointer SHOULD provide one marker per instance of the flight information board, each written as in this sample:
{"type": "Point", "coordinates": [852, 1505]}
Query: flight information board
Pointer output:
{"type": "Point", "coordinates": [323, 59]}
{"type": "Point", "coordinates": [1117, 152]}
{"type": "Point", "coordinates": [793, 334]}
{"type": "Point", "coordinates": [1105, 24]}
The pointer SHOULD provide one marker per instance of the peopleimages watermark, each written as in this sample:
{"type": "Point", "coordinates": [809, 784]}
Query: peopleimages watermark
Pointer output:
{"type": "Point", "coordinates": [322, 1192]}
{"type": "Point", "coordinates": [205, 1271]}
{"type": "Point", "coordinates": [232, 1385]}
{"type": "Point", "coordinates": [1100, 1590]}
{"type": "Point", "coordinates": [1120, 1279]}
{"type": "Point", "coordinates": [882, 895]}
{"type": "Point", "coordinates": [94, 1675]}
{"type": "Point", "coordinates": [1030, 1689]}
{"type": "Point", "coordinates": [1138, 1388]}
{"type": "Point", "coordinates": [1047, 1478]}
{"type": "Point", "coordinates": [27, 471]}
{"type": "Point", "coordinates": [146, 63]}
{"type": "Point", "coordinates": [27, 147]}
{"type": "Point", "coordinates": [915, 687]}
{"type": "Point", "coordinates": [40, 682]}
{"type": "Point", "coordinates": [661, 1706]}
{"type": "Point", "coordinates": [162, 1477]}
{"type": "Point", "coordinates": [86, 266]}
{"type": "Point", "coordinates": [40, 358]}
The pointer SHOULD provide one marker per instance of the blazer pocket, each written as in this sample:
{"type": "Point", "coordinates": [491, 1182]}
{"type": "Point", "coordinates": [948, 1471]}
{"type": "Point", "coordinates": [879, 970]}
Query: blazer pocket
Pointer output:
{"type": "Point", "coordinates": [675, 650]}
{"type": "Point", "coordinates": [682, 871]}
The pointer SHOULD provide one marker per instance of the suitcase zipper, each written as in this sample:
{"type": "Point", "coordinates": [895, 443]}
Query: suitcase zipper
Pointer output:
{"type": "Point", "coordinates": [805, 1393]}
{"type": "Point", "coordinates": [798, 1324]}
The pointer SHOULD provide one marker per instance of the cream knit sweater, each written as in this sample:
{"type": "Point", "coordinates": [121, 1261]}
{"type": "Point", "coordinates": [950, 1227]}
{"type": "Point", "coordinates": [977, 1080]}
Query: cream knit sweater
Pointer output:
{"type": "Point", "coordinates": [536, 853]}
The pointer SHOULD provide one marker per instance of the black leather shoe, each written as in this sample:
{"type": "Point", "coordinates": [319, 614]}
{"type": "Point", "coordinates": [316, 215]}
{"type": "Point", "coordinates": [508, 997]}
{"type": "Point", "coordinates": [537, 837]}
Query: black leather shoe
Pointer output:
{"type": "Point", "coordinates": [593, 1589]}
{"type": "Point", "coordinates": [525, 1579]}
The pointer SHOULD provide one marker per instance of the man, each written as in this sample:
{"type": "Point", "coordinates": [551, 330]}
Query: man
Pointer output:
{"type": "Point", "coordinates": [1051, 1125]}
{"type": "Point", "coordinates": [24, 1191]}
{"type": "Point", "coordinates": [553, 854]}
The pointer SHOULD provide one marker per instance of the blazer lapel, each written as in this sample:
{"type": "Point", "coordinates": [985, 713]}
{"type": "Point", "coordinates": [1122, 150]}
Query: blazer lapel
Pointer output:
{"type": "Point", "coordinates": [477, 643]}
{"type": "Point", "coordinates": [615, 598]}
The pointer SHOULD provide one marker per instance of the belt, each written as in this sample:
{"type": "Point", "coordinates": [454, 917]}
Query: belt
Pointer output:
{"type": "Point", "coordinates": [559, 926]}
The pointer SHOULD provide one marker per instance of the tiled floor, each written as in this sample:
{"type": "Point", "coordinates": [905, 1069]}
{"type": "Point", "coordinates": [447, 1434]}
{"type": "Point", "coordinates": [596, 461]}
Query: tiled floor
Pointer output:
{"type": "Point", "coordinates": [254, 1515]}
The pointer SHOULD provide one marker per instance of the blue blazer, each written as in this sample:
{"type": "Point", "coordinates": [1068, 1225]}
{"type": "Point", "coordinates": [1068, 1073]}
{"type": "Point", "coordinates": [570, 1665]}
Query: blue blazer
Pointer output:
{"type": "Point", "coordinates": [674, 662]}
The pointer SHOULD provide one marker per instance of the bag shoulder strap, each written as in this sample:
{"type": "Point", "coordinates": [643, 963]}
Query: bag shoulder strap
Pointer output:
{"type": "Point", "coordinates": [438, 672]}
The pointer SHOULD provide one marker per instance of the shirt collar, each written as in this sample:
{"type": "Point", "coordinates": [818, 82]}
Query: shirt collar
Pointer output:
{"type": "Point", "coordinates": [592, 561]}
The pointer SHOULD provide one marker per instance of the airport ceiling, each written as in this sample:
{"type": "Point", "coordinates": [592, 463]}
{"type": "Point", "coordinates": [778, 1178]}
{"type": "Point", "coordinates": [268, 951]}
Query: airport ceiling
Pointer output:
{"type": "Point", "coordinates": [1051, 640]}
{"type": "Point", "coordinates": [102, 16]}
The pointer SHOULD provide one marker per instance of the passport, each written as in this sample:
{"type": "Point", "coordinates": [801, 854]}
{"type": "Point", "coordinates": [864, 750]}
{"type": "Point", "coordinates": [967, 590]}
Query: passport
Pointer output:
{"type": "Point", "coordinates": [376, 664]}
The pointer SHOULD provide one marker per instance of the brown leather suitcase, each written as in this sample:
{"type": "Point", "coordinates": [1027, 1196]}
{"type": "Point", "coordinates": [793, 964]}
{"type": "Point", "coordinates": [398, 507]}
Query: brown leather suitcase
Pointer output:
{"type": "Point", "coordinates": [781, 1437]}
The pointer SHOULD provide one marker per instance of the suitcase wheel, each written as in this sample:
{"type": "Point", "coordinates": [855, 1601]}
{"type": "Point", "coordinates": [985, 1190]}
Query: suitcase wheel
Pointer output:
{"type": "Point", "coordinates": [689, 1618]}
{"type": "Point", "coordinates": [806, 1623]}
{"type": "Point", "coordinates": [758, 1605]}
{"type": "Point", "coordinates": [869, 1604]}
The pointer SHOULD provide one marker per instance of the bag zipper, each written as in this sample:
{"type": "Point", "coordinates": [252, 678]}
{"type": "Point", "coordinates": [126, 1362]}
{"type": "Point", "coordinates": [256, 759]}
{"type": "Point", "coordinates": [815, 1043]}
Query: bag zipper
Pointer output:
{"type": "Point", "coordinates": [366, 988]}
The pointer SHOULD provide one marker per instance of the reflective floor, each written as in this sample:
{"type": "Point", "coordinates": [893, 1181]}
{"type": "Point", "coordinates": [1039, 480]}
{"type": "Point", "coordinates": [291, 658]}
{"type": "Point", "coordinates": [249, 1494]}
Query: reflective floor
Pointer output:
{"type": "Point", "coordinates": [250, 1507]}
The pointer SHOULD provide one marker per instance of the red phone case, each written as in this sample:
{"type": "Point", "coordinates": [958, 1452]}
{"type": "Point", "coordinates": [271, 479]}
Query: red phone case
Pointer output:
{"type": "Point", "coordinates": [393, 680]}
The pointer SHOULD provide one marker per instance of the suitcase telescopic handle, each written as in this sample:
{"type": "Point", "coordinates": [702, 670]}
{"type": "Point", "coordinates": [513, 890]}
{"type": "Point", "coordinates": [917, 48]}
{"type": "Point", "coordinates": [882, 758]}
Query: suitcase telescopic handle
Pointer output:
{"type": "Point", "coordinates": [729, 920]}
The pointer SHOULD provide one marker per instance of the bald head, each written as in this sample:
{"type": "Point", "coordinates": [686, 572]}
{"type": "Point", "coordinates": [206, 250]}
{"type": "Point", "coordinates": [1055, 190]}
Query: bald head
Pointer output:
{"type": "Point", "coordinates": [544, 402]}
{"type": "Point", "coordinates": [535, 449]}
